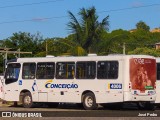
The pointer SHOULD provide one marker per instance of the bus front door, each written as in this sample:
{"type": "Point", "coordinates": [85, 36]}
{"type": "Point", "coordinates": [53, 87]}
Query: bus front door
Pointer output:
{"type": "Point", "coordinates": [11, 83]}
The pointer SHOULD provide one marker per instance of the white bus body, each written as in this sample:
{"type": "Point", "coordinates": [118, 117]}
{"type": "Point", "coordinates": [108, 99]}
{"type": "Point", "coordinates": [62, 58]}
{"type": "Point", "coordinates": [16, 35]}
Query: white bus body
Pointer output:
{"type": "Point", "coordinates": [107, 79]}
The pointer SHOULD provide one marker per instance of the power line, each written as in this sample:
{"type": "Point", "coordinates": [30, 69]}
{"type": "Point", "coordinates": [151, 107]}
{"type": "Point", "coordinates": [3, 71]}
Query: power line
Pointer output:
{"type": "Point", "coordinates": [33, 20]}
{"type": "Point", "coordinates": [121, 9]}
{"type": "Point", "coordinates": [28, 4]}
{"type": "Point", "coordinates": [58, 17]}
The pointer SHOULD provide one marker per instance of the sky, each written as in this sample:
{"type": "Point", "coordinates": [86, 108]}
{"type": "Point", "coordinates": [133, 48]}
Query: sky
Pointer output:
{"type": "Point", "coordinates": [50, 17]}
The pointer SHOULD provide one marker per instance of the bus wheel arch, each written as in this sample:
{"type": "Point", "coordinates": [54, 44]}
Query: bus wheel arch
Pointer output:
{"type": "Point", "coordinates": [26, 98]}
{"type": "Point", "coordinates": [89, 100]}
{"type": "Point", "coordinates": [22, 93]}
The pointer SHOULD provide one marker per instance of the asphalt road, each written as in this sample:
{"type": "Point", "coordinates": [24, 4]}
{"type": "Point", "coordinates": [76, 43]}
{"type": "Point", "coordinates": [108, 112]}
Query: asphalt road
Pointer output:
{"type": "Point", "coordinates": [72, 112]}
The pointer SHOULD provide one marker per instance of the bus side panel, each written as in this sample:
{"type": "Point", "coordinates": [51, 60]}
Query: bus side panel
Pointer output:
{"type": "Point", "coordinates": [101, 89]}
{"type": "Point", "coordinates": [113, 88]}
{"type": "Point", "coordinates": [31, 86]}
{"type": "Point", "coordinates": [105, 90]}
{"type": "Point", "coordinates": [11, 94]}
{"type": "Point", "coordinates": [61, 93]}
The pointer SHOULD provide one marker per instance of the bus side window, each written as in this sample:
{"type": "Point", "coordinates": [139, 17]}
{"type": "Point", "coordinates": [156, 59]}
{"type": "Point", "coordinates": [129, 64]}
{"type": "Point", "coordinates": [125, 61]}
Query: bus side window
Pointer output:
{"type": "Point", "coordinates": [86, 70]}
{"type": "Point", "coordinates": [107, 70]}
{"type": "Point", "coordinates": [113, 70]}
{"type": "Point", "coordinates": [28, 71]}
{"type": "Point", "coordinates": [45, 70]}
{"type": "Point", "coordinates": [65, 70]}
{"type": "Point", "coordinates": [79, 72]}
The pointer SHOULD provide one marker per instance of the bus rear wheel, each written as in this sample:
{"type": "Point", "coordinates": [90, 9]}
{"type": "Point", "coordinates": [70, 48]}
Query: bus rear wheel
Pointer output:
{"type": "Point", "coordinates": [27, 100]}
{"type": "Point", "coordinates": [89, 101]}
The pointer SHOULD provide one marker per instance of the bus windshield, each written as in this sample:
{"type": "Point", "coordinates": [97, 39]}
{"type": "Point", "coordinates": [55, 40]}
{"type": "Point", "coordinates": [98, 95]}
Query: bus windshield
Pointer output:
{"type": "Point", "coordinates": [12, 73]}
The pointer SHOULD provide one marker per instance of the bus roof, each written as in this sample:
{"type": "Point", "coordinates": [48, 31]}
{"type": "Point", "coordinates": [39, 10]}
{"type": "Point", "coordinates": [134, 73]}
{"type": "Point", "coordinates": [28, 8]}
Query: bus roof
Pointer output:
{"type": "Point", "coordinates": [80, 58]}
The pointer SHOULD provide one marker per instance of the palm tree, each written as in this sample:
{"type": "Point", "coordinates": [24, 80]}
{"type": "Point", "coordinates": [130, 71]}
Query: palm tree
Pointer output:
{"type": "Point", "coordinates": [87, 31]}
{"type": "Point", "coordinates": [68, 47]}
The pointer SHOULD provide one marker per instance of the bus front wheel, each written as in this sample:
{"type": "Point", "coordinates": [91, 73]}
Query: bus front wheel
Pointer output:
{"type": "Point", "coordinates": [27, 100]}
{"type": "Point", "coordinates": [89, 101]}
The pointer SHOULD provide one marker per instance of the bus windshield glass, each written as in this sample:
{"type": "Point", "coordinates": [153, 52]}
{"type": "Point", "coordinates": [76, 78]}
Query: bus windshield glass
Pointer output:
{"type": "Point", "coordinates": [12, 73]}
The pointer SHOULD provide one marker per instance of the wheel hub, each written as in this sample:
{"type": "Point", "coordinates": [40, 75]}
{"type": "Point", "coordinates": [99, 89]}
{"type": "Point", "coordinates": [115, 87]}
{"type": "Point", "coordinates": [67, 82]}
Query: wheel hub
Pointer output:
{"type": "Point", "coordinates": [27, 100]}
{"type": "Point", "coordinates": [89, 101]}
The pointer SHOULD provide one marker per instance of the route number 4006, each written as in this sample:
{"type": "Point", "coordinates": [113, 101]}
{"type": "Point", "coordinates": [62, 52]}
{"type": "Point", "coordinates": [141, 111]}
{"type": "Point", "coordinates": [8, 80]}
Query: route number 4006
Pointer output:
{"type": "Point", "coordinates": [115, 86]}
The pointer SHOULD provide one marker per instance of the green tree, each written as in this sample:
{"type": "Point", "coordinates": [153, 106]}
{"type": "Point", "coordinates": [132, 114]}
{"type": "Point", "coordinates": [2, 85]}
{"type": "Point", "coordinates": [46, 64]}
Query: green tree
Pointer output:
{"type": "Point", "coordinates": [74, 48]}
{"type": "Point", "coordinates": [57, 46]}
{"type": "Point", "coordinates": [25, 41]}
{"type": "Point", "coordinates": [87, 31]}
{"type": "Point", "coordinates": [142, 26]}
{"type": "Point", "coordinates": [113, 42]}
{"type": "Point", "coordinates": [141, 38]}
{"type": "Point", "coordinates": [146, 51]}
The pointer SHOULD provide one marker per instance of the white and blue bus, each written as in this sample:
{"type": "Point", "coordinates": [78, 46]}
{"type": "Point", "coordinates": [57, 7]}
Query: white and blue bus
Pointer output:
{"type": "Point", "coordinates": [88, 80]}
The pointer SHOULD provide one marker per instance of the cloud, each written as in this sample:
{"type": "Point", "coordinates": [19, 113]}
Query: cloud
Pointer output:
{"type": "Point", "coordinates": [137, 4]}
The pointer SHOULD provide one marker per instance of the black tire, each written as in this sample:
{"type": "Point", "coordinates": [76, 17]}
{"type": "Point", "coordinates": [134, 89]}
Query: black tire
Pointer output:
{"type": "Point", "coordinates": [53, 105]}
{"type": "Point", "coordinates": [141, 105]}
{"type": "Point", "coordinates": [27, 100]}
{"type": "Point", "coordinates": [89, 101]}
{"type": "Point", "coordinates": [145, 106]}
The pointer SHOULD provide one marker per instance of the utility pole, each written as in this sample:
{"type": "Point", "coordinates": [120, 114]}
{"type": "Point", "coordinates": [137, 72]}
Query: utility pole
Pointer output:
{"type": "Point", "coordinates": [7, 51]}
{"type": "Point", "coordinates": [124, 48]}
{"type": "Point", "coordinates": [46, 48]}
{"type": "Point", "coordinates": [19, 55]}
{"type": "Point", "coordinates": [5, 56]}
